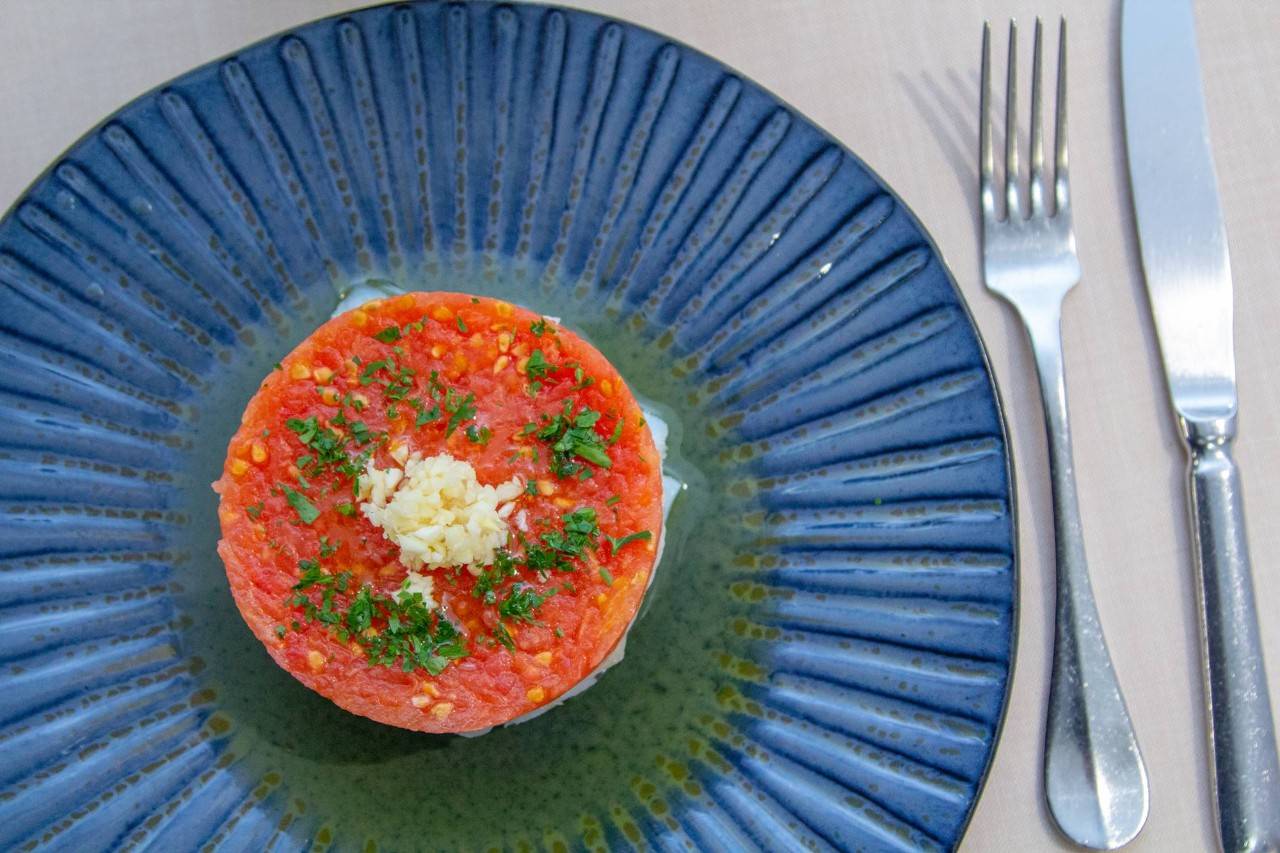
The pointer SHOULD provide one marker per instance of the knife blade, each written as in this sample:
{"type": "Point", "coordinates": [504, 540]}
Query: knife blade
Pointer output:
{"type": "Point", "coordinates": [1185, 260]}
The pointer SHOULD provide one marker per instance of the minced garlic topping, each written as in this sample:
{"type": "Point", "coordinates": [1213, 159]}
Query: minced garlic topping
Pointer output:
{"type": "Point", "coordinates": [436, 510]}
{"type": "Point", "coordinates": [421, 584]}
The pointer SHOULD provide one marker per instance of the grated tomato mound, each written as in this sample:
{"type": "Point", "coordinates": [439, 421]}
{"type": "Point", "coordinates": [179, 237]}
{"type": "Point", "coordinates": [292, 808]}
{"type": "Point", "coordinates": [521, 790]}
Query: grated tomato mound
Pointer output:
{"type": "Point", "coordinates": [498, 380]}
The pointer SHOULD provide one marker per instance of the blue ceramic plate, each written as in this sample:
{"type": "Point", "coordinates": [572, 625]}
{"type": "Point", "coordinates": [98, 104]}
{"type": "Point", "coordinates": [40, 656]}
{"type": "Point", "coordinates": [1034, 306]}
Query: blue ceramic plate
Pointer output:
{"type": "Point", "coordinates": [824, 658]}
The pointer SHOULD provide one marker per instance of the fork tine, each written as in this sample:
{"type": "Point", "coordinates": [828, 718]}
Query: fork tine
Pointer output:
{"type": "Point", "coordinates": [1012, 197]}
{"type": "Point", "coordinates": [986, 158]}
{"type": "Point", "coordinates": [1036, 185]}
{"type": "Point", "coordinates": [1061, 188]}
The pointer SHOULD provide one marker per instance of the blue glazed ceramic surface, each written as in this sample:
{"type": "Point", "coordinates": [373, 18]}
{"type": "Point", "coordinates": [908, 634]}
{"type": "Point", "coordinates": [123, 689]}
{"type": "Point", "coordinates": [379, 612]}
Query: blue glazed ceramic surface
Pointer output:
{"type": "Point", "coordinates": [823, 661]}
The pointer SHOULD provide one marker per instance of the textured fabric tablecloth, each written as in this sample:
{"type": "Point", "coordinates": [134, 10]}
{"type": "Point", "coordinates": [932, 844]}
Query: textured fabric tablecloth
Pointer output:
{"type": "Point", "coordinates": [897, 81]}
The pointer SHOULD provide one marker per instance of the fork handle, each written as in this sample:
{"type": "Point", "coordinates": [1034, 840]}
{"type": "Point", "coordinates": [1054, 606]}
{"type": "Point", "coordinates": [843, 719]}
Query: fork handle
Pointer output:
{"type": "Point", "coordinates": [1095, 780]}
{"type": "Point", "coordinates": [1246, 773]}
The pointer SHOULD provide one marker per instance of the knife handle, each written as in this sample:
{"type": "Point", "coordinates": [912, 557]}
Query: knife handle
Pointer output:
{"type": "Point", "coordinates": [1246, 773]}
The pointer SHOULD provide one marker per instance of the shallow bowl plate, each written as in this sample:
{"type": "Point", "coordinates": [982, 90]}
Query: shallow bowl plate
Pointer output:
{"type": "Point", "coordinates": [824, 658]}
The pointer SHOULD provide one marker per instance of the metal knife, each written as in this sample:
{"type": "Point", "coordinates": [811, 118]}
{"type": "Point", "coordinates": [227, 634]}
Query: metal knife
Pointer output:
{"type": "Point", "coordinates": [1188, 273]}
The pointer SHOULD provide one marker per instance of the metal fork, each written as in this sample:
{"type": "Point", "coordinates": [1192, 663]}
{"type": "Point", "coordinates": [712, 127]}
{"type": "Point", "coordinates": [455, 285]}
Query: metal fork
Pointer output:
{"type": "Point", "coordinates": [1094, 777]}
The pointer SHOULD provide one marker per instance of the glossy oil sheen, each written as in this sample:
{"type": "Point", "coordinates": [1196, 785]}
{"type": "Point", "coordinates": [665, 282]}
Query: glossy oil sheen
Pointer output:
{"type": "Point", "coordinates": [823, 660]}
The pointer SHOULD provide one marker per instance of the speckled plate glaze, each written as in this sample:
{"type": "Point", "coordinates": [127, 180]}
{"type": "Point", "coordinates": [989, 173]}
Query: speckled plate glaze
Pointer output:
{"type": "Point", "coordinates": [824, 658]}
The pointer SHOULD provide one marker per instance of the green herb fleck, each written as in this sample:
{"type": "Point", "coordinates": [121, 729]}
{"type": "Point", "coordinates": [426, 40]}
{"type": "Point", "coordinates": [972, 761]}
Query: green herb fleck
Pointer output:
{"type": "Point", "coordinates": [462, 327]}
{"type": "Point", "coordinates": [479, 436]}
{"type": "Point", "coordinates": [581, 380]}
{"type": "Point", "coordinates": [606, 576]}
{"type": "Point", "coordinates": [346, 509]}
{"type": "Point", "coordinates": [391, 630]}
{"type": "Point", "coordinates": [255, 510]}
{"type": "Point", "coordinates": [305, 509]}
{"type": "Point", "coordinates": [619, 542]}
{"type": "Point", "coordinates": [487, 582]}
{"type": "Point", "coordinates": [522, 602]}
{"type": "Point", "coordinates": [389, 335]}
{"type": "Point", "coordinates": [425, 415]}
{"type": "Point", "coordinates": [573, 436]}
{"type": "Point", "coordinates": [537, 367]}
{"type": "Point", "coordinates": [558, 548]}
{"type": "Point", "coordinates": [460, 409]}
{"type": "Point", "coordinates": [372, 369]}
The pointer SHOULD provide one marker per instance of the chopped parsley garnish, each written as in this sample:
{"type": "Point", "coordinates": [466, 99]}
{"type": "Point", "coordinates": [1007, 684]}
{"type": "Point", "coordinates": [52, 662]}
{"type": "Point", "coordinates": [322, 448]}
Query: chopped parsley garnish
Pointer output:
{"type": "Point", "coordinates": [606, 576]}
{"type": "Point", "coordinates": [479, 436]}
{"type": "Point", "coordinates": [325, 444]}
{"type": "Point", "coordinates": [255, 510]}
{"type": "Point", "coordinates": [617, 433]}
{"type": "Point", "coordinates": [346, 509]}
{"type": "Point", "coordinates": [360, 613]}
{"type": "Point", "coordinates": [305, 509]}
{"type": "Point", "coordinates": [613, 500]}
{"type": "Point", "coordinates": [435, 386]}
{"type": "Point", "coordinates": [620, 541]}
{"type": "Point", "coordinates": [280, 631]}
{"type": "Point", "coordinates": [360, 432]}
{"type": "Point", "coordinates": [581, 523]}
{"type": "Point", "coordinates": [460, 409]}
{"type": "Point", "coordinates": [487, 582]}
{"type": "Point", "coordinates": [538, 326]}
{"type": "Point", "coordinates": [389, 335]}
{"type": "Point", "coordinates": [531, 488]}
{"type": "Point", "coordinates": [400, 383]}
{"type": "Point", "coordinates": [372, 368]}
{"type": "Point", "coordinates": [327, 547]}
{"type": "Point", "coordinates": [322, 611]}
{"type": "Point", "coordinates": [574, 437]}
{"type": "Point", "coordinates": [580, 379]}
{"type": "Point", "coordinates": [522, 602]}
{"type": "Point", "coordinates": [462, 327]}
{"type": "Point", "coordinates": [537, 367]}
{"type": "Point", "coordinates": [425, 415]}
{"type": "Point", "coordinates": [403, 629]}
{"type": "Point", "coordinates": [390, 630]}
{"type": "Point", "coordinates": [558, 548]}
{"type": "Point", "coordinates": [306, 430]}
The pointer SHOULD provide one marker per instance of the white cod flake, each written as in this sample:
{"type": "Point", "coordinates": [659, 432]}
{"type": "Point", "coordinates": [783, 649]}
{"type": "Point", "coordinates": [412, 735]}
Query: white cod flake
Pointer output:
{"type": "Point", "coordinates": [436, 511]}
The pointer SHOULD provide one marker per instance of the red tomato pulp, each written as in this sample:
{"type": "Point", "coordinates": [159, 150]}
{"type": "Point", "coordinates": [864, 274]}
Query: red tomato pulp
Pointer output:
{"type": "Point", "coordinates": [486, 382]}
